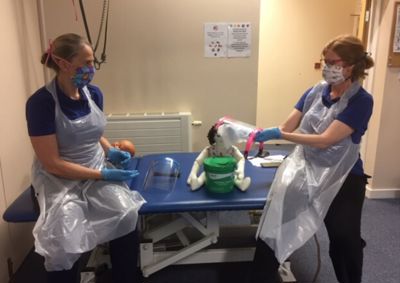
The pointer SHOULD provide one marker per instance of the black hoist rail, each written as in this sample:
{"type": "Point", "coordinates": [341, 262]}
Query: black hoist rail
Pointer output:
{"type": "Point", "coordinates": [104, 20]}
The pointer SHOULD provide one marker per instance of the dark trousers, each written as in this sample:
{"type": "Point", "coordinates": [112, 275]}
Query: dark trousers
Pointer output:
{"type": "Point", "coordinates": [265, 265]}
{"type": "Point", "coordinates": [123, 254]}
{"type": "Point", "coordinates": [343, 223]}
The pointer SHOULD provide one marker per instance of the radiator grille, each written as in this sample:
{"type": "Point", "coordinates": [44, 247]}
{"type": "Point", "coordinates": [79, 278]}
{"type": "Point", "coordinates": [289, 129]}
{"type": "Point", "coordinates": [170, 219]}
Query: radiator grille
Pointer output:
{"type": "Point", "coordinates": [152, 132]}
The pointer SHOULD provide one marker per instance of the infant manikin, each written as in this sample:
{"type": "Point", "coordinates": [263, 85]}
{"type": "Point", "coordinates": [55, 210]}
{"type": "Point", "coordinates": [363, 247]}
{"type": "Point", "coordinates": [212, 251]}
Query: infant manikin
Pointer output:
{"type": "Point", "coordinates": [218, 147]}
{"type": "Point", "coordinates": [125, 145]}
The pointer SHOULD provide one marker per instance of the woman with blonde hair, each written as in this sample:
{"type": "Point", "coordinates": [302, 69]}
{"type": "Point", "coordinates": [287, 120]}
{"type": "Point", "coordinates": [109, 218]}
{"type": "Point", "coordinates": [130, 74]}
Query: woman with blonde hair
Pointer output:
{"type": "Point", "coordinates": [322, 180]}
{"type": "Point", "coordinates": [83, 198]}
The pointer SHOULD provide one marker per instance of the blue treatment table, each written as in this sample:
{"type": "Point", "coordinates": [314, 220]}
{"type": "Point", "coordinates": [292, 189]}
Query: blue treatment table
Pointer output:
{"type": "Point", "coordinates": [198, 210]}
{"type": "Point", "coordinates": [182, 199]}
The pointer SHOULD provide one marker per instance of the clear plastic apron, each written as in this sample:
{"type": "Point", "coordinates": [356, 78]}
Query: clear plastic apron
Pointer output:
{"type": "Point", "coordinates": [307, 181]}
{"type": "Point", "coordinates": [76, 215]}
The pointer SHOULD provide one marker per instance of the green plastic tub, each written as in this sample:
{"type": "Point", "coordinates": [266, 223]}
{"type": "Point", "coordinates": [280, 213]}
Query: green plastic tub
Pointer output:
{"type": "Point", "coordinates": [220, 173]}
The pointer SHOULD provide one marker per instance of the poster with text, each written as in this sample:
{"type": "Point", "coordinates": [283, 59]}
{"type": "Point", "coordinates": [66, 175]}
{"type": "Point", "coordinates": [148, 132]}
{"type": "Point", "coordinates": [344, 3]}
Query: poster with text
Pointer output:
{"type": "Point", "coordinates": [396, 39]}
{"type": "Point", "coordinates": [239, 40]}
{"type": "Point", "coordinates": [215, 39]}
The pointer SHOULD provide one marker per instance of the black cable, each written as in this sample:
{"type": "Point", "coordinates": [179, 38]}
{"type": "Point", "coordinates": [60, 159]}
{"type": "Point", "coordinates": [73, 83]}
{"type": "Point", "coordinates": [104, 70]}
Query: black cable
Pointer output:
{"type": "Point", "coordinates": [105, 11]}
{"type": "Point", "coordinates": [101, 25]}
{"type": "Point", "coordinates": [85, 21]}
{"type": "Point", "coordinates": [103, 54]}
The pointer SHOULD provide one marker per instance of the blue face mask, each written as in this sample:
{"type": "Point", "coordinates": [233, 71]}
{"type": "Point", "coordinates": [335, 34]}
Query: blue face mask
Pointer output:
{"type": "Point", "coordinates": [83, 76]}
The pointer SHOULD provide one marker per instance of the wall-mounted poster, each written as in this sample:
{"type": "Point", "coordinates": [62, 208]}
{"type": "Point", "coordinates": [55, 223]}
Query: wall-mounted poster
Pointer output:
{"type": "Point", "coordinates": [239, 40]}
{"type": "Point", "coordinates": [396, 35]}
{"type": "Point", "coordinates": [215, 39]}
{"type": "Point", "coordinates": [394, 49]}
{"type": "Point", "coordinates": [227, 40]}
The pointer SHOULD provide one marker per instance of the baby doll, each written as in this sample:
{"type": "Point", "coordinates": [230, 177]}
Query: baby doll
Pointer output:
{"type": "Point", "coordinates": [217, 147]}
{"type": "Point", "coordinates": [125, 145]}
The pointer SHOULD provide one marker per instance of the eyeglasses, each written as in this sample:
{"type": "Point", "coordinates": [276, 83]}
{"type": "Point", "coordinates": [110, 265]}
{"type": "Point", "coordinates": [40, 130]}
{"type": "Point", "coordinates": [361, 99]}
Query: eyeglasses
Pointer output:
{"type": "Point", "coordinates": [331, 62]}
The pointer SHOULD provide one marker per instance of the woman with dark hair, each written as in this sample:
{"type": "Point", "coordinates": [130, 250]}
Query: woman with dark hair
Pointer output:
{"type": "Point", "coordinates": [323, 179]}
{"type": "Point", "coordinates": [82, 197]}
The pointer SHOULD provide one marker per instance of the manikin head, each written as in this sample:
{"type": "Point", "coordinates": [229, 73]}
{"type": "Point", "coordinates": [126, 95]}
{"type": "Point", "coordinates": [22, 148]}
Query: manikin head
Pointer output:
{"type": "Point", "coordinates": [214, 138]}
{"type": "Point", "coordinates": [125, 145]}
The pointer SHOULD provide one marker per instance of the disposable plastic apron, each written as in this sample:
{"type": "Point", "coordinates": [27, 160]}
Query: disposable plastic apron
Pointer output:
{"type": "Point", "coordinates": [307, 181]}
{"type": "Point", "coordinates": [76, 215]}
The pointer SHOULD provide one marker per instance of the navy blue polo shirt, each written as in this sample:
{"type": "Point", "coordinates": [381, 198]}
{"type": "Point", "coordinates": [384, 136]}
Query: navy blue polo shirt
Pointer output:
{"type": "Point", "coordinates": [356, 115]}
{"type": "Point", "coordinates": [40, 109]}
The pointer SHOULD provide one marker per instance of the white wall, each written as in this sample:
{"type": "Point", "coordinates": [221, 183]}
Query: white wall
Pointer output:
{"type": "Point", "coordinates": [382, 159]}
{"type": "Point", "coordinates": [20, 75]}
{"type": "Point", "coordinates": [156, 61]}
{"type": "Point", "coordinates": [292, 35]}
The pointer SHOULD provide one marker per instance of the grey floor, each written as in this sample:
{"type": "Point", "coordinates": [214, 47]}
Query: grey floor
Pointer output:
{"type": "Point", "coordinates": [380, 229]}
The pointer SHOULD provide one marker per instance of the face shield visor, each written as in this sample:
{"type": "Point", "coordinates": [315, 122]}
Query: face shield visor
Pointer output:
{"type": "Point", "coordinates": [234, 132]}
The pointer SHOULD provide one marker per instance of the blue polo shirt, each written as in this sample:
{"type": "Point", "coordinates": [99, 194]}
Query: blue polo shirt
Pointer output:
{"type": "Point", "coordinates": [356, 115]}
{"type": "Point", "coordinates": [40, 109]}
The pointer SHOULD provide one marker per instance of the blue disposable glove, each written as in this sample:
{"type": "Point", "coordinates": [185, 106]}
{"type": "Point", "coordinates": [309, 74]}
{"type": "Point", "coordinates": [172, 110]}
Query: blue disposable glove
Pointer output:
{"type": "Point", "coordinates": [268, 134]}
{"type": "Point", "coordinates": [118, 174]}
{"type": "Point", "coordinates": [118, 157]}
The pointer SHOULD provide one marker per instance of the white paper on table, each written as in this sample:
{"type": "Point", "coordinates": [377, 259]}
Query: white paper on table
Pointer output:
{"type": "Point", "coordinates": [268, 159]}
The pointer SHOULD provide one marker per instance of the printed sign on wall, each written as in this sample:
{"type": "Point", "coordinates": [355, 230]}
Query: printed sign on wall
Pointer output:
{"type": "Point", "coordinates": [215, 39]}
{"type": "Point", "coordinates": [239, 40]}
{"type": "Point", "coordinates": [227, 40]}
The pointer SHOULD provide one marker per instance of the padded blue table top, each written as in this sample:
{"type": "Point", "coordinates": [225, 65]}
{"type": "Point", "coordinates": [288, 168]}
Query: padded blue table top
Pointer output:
{"type": "Point", "coordinates": [182, 199]}
{"type": "Point", "coordinates": [24, 208]}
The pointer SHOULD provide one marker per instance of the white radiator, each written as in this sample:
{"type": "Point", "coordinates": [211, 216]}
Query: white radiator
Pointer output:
{"type": "Point", "coordinates": [152, 132]}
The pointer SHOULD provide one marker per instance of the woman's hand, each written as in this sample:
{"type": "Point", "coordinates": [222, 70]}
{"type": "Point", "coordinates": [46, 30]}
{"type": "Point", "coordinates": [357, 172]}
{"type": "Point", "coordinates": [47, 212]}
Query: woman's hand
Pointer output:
{"type": "Point", "coordinates": [118, 157]}
{"type": "Point", "coordinates": [268, 134]}
{"type": "Point", "coordinates": [118, 174]}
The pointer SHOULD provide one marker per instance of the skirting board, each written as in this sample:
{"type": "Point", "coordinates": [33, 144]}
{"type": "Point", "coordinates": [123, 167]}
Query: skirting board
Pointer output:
{"type": "Point", "coordinates": [382, 193]}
